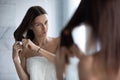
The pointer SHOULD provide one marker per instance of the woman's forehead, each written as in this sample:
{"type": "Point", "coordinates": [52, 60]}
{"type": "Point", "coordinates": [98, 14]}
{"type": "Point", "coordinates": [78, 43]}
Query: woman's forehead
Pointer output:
{"type": "Point", "coordinates": [41, 18]}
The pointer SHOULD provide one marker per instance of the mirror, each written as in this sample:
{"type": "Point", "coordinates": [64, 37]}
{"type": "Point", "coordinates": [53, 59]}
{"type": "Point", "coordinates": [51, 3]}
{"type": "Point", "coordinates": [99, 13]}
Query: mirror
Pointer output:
{"type": "Point", "coordinates": [11, 15]}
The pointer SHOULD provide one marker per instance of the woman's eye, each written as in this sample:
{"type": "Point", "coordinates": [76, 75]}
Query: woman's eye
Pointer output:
{"type": "Point", "coordinates": [46, 22]}
{"type": "Point", "coordinates": [37, 24]}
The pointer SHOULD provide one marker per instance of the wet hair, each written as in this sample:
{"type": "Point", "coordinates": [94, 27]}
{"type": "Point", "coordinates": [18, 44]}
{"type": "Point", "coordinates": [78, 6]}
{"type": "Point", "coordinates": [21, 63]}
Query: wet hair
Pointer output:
{"type": "Point", "coordinates": [103, 16]}
{"type": "Point", "coordinates": [23, 30]}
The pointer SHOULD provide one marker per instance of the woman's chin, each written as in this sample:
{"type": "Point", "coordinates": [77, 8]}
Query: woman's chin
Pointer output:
{"type": "Point", "coordinates": [44, 34]}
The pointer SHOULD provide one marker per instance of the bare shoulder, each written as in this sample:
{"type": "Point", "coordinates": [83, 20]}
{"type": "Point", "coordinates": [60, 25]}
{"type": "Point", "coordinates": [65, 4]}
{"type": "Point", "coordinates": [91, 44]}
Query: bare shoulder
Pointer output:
{"type": "Point", "coordinates": [55, 40]}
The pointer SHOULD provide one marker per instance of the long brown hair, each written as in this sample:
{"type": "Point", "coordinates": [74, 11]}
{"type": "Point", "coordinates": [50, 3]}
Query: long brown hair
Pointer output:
{"type": "Point", "coordinates": [26, 23]}
{"type": "Point", "coordinates": [104, 17]}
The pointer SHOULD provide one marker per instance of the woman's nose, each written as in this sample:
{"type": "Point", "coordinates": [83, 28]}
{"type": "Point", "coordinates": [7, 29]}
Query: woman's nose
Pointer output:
{"type": "Point", "coordinates": [44, 27]}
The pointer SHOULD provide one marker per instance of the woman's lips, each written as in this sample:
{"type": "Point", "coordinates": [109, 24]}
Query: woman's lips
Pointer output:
{"type": "Point", "coordinates": [44, 32]}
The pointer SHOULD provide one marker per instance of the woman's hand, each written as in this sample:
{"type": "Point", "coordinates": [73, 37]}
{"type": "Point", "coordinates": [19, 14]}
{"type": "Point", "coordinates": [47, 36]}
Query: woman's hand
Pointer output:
{"type": "Point", "coordinates": [29, 48]}
{"type": "Point", "coordinates": [62, 58]}
{"type": "Point", "coordinates": [27, 43]}
{"type": "Point", "coordinates": [17, 49]}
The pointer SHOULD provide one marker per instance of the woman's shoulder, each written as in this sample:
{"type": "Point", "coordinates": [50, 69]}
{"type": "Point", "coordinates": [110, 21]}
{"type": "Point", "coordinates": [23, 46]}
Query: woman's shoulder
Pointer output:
{"type": "Point", "coordinates": [54, 39]}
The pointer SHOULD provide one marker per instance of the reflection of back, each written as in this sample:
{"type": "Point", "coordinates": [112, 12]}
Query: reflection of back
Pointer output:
{"type": "Point", "coordinates": [39, 68]}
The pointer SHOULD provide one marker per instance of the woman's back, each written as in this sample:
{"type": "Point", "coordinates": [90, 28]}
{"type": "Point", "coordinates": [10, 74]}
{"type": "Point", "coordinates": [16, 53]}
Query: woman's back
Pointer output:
{"type": "Point", "coordinates": [103, 16]}
{"type": "Point", "coordinates": [94, 68]}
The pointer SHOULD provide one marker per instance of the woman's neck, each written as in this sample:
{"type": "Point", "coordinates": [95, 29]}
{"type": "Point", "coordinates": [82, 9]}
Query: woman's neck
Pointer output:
{"type": "Point", "coordinates": [40, 41]}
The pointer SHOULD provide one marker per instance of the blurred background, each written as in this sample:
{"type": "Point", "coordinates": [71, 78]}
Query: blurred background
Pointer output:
{"type": "Point", "coordinates": [11, 15]}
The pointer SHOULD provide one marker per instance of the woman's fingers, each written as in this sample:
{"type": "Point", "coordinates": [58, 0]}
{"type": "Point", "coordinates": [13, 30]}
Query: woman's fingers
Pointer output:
{"type": "Point", "coordinates": [28, 48]}
{"type": "Point", "coordinates": [17, 49]}
{"type": "Point", "coordinates": [27, 43]}
{"type": "Point", "coordinates": [76, 51]}
{"type": "Point", "coordinates": [17, 46]}
{"type": "Point", "coordinates": [24, 42]}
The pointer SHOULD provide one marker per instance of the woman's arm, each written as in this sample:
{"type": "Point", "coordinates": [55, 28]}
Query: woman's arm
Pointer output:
{"type": "Point", "coordinates": [35, 50]}
{"type": "Point", "coordinates": [20, 71]}
{"type": "Point", "coordinates": [17, 49]}
{"type": "Point", "coordinates": [50, 56]}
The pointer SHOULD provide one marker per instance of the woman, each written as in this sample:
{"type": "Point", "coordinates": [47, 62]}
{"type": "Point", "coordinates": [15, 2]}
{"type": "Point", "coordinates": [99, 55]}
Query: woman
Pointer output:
{"type": "Point", "coordinates": [37, 52]}
{"type": "Point", "coordinates": [103, 18]}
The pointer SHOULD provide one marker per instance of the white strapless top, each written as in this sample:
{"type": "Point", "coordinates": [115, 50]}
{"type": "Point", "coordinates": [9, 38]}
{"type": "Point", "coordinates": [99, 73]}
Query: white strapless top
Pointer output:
{"type": "Point", "coordinates": [39, 68]}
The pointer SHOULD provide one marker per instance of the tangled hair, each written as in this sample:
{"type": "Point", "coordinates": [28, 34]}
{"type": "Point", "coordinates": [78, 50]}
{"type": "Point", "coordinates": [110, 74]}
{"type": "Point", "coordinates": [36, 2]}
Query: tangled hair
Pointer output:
{"type": "Point", "coordinates": [103, 16]}
{"type": "Point", "coordinates": [26, 23]}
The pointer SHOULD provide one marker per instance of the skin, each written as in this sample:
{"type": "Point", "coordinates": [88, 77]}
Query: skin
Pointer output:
{"type": "Point", "coordinates": [30, 48]}
{"type": "Point", "coordinates": [91, 67]}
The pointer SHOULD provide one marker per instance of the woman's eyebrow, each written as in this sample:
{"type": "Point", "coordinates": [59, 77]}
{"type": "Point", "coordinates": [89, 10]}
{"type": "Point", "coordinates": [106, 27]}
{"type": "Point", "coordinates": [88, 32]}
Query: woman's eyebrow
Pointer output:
{"type": "Point", "coordinates": [38, 23]}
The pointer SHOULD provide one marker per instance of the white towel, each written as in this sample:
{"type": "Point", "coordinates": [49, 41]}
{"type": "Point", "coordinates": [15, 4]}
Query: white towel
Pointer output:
{"type": "Point", "coordinates": [71, 72]}
{"type": "Point", "coordinates": [39, 68]}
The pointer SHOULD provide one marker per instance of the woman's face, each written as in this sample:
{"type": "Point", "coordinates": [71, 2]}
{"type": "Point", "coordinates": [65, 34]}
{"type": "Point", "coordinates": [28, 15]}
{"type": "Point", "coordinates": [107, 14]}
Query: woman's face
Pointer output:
{"type": "Point", "coordinates": [40, 25]}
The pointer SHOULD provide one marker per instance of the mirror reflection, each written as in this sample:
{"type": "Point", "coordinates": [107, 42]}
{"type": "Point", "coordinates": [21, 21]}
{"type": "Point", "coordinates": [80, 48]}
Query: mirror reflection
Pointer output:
{"type": "Point", "coordinates": [12, 14]}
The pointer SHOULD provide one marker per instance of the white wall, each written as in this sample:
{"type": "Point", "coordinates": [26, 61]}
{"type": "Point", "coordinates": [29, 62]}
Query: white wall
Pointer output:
{"type": "Point", "coordinates": [69, 7]}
